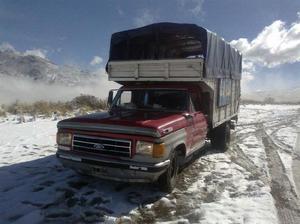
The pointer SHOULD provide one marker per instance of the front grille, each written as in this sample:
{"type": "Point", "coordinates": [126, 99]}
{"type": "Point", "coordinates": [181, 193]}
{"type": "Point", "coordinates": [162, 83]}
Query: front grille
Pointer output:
{"type": "Point", "coordinates": [104, 146]}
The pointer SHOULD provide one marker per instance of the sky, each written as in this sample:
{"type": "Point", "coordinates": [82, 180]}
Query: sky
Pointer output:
{"type": "Point", "coordinates": [78, 32]}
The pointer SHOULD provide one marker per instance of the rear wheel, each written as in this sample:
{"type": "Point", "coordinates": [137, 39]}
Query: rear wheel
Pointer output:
{"type": "Point", "coordinates": [220, 137]}
{"type": "Point", "coordinates": [167, 180]}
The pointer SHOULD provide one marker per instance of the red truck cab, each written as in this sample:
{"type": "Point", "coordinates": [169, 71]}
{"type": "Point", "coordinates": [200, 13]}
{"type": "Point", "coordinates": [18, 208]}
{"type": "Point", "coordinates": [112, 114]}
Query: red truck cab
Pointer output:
{"type": "Point", "coordinates": [134, 139]}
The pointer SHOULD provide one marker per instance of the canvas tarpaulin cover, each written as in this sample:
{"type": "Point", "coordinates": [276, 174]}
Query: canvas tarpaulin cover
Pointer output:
{"type": "Point", "coordinates": [176, 41]}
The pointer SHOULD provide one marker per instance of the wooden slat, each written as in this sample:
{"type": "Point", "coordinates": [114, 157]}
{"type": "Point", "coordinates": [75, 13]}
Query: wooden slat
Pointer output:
{"type": "Point", "coordinates": [160, 69]}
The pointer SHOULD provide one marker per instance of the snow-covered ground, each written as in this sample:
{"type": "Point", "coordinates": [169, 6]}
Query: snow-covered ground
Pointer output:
{"type": "Point", "coordinates": [21, 142]}
{"type": "Point", "coordinates": [231, 187]}
{"type": "Point", "coordinates": [281, 123]}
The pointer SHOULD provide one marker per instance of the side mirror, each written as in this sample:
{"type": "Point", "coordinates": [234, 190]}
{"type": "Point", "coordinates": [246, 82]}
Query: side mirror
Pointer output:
{"type": "Point", "coordinates": [111, 96]}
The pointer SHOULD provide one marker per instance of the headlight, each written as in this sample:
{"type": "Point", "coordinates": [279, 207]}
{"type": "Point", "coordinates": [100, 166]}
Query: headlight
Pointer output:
{"type": "Point", "coordinates": [64, 138]}
{"type": "Point", "coordinates": [144, 148]}
{"type": "Point", "coordinates": [148, 148]}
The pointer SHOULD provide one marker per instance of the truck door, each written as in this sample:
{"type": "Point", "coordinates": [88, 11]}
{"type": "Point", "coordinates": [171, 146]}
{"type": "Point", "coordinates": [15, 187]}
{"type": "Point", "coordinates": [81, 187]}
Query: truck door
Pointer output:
{"type": "Point", "coordinates": [199, 121]}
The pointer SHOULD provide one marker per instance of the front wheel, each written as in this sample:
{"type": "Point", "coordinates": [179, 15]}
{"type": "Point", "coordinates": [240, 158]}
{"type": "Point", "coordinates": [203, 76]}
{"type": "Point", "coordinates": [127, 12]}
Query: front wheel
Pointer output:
{"type": "Point", "coordinates": [167, 180]}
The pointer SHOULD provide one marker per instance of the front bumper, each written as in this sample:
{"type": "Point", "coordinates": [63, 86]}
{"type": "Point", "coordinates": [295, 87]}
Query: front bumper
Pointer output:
{"type": "Point", "coordinates": [127, 171]}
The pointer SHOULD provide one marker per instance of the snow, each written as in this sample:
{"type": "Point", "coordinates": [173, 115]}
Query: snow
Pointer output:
{"type": "Point", "coordinates": [283, 132]}
{"type": "Point", "coordinates": [266, 113]}
{"type": "Point", "coordinates": [232, 187]}
{"type": "Point", "coordinates": [287, 161]}
{"type": "Point", "coordinates": [31, 140]}
{"type": "Point", "coordinates": [239, 198]}
{"type": "Point", "coordinates": [295, 165]}
{"type": "Point", "coordinates": [34, 185]}
{"type": "Point", "coordinates": [287, 135]}
{"type": "Point", "coordinates": [241, 210]}
{"type": "Point", "coordinates": [297, 144]}
{"type": "Point", "coordinates": [255, 151]}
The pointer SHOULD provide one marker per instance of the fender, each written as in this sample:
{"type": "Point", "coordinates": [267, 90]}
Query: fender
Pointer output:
{"type": "Point", "coordinates": [174, 139]}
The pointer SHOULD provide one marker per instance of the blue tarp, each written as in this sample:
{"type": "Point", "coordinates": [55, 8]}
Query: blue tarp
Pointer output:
{"type": "Point", "coordinates": [175, 41]}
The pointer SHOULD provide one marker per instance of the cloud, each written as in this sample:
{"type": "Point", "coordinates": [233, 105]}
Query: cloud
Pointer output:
{"type": "Point", "coordinates": [145, 17]}
{"type": "Point", "coordinates": [192, 6]}
{"type": "Point", "coordinates": [36, 52]}
{"type": "Point", "coordinates": [120, 11]}
{"type": "Point", "coordinates": [275, 45]}
{"type": "Point", "coordinates": [96, 60]}
{"type": "Point", "coordinates": [5, 46]}
{"type": "Point", "coordinates": [249, 70]}
{"type": "Point", "coordinates": [25, 89]}
{"type": "Point", "coordinates": [198, 7]}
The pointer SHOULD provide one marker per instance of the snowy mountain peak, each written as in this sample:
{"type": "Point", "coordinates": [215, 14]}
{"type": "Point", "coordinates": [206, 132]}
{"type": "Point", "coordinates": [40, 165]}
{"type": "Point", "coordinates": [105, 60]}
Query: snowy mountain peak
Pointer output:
{"type": "Point", "coordinates": [18, 65]}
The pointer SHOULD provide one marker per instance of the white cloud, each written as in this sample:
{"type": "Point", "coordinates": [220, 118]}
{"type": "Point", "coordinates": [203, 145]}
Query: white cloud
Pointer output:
{"type": "Point", "coordinates": [96, 60]}
{"type": "Point", "coordinates": [145, 17]}
{"type": "Point", "coordinates": [192, 6]}
{"type": "Point", "coordinates": [37, 52]}
{"type": "Point", "coordinates": [102, 83]}
{"type": "Point", "coordinates": [241, 44]}
{"type": "Point", "coordinates": [198, 7]}
{"type": "Point", "coordinates": [120, 11]}
{"type": "Point", "coordinates": [275, 45]}
{"type": "Point", "coordinates": [248, 74]}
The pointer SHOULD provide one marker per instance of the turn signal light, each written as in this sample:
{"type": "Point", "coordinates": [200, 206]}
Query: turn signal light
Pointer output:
{"type": "Point", "coordinates": [158, 150]}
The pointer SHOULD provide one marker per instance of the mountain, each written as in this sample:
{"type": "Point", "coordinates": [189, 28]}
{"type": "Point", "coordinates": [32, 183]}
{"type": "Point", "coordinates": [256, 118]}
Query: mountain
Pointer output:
{"type": "Point", "coordinates": [18, 65]}
{"type": "Point", "coordinates": [29, 78]}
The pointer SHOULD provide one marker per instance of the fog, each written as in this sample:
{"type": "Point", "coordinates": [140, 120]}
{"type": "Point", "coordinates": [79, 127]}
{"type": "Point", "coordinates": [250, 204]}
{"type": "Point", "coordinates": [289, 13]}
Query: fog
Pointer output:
{"type": "Point", "coordinates": [27, 90]}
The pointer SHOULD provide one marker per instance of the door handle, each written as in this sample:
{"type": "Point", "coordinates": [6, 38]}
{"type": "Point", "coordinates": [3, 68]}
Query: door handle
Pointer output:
{"type": "Point", "coordinates": [188, 116]}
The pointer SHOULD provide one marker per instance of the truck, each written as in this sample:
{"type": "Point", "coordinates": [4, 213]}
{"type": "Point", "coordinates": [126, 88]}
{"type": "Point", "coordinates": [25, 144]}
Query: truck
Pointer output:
{"type": "Point", "coordinates": [180, 88]}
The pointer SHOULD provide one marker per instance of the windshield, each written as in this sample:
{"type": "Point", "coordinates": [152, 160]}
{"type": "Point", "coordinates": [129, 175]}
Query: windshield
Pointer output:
{"type": "Point", "coordinates": [152, 99]}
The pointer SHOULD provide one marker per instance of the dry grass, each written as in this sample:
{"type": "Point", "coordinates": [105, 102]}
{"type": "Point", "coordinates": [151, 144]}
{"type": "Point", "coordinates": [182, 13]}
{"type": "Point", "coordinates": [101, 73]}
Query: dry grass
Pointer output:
{"type": "Point", "coordinates": [83, 103]}
{"type": "Point", "coordinates": [2, 113]}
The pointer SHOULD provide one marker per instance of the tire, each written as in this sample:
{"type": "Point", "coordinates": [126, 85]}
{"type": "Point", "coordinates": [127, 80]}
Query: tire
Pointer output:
{"type": "Point", "coordinates": [220, 137]}
{"type": "Point", "coordinates": [81, 173]}
{"type": "Point", "coordinates": [167, 180]}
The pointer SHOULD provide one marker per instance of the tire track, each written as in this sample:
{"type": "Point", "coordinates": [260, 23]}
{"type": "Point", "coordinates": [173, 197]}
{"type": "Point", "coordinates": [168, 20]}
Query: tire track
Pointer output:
{"type": "Point", "coordinates": [286, 200]}
{"type": "Point", "coordinates": [284, 194]}
{"type": "Point", "coordinates": [296, 164]}
{"type": "Point", "coordinates": [284, 123]}
{"type": "Point", "coordinates": [239, 157]}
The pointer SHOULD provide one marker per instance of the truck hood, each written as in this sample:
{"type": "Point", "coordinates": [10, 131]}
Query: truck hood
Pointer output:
{"type": "Point", "coordinates": [161, 122]}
